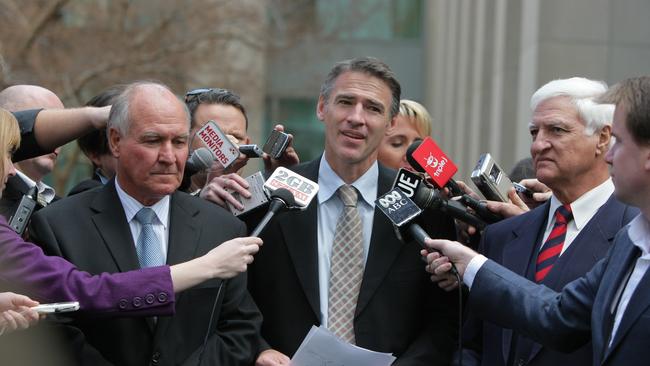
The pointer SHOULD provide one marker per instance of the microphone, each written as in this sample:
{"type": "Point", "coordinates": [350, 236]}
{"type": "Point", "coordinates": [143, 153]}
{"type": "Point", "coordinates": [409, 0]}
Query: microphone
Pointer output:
{"type": "Point", "coordinates": [441, 169]}
{"type": "Point", "coordinates": [280, 199]}
{"type": "Point", "coordinates": [200, 159]}
{"type": "Point", "coordinates": [425, 156]}
{"type": "Point", "coordinates": [302, 189]}
{"type": "Point", "coordinates": [402, 212]}
{"type": "Point", "coordinates": [431, 198]}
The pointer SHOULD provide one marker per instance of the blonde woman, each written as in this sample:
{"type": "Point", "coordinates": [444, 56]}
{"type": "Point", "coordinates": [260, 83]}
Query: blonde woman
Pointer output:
{"type": "Point", "coordinates": [413, 122]}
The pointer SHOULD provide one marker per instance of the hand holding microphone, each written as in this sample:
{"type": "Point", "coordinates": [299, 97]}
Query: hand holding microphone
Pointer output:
{"type": "Point", "coordinates": [445, 257]}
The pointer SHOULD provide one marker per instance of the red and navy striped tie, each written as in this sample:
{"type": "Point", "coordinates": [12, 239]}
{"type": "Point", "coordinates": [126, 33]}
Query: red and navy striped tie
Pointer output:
{"type": "Point", "coordinates": [553, 245]}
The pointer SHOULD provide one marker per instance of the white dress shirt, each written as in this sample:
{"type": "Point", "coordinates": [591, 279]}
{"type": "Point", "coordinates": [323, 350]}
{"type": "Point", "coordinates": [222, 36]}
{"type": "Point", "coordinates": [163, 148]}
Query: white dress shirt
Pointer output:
{"type": "Point", "coordinates": [639, 233]}
{"type": "Point", "coordinates": [584, 208]}
{"type": "Point", "coordinates": [330, 208]}
{"type": "Point", "coordinates": [161, 224]}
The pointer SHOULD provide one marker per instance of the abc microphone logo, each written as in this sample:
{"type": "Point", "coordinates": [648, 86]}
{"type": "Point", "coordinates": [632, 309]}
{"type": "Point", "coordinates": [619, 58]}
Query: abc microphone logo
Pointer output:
{"type": "Point", "coordinates": [397, 207]}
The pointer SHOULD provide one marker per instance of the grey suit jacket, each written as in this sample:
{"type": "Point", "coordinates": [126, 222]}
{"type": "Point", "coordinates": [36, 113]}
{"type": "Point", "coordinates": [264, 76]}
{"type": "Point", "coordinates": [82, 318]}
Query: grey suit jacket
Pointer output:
{"type": "Point", "coordinates": [90, 230]}
{"type": "Point", "coordinates": [579, 313]}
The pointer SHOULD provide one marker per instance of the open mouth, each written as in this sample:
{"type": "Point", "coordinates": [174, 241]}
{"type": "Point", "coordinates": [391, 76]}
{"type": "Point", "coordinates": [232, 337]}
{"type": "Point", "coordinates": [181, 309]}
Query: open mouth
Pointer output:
{"type": "Point", "coordinates": [353, 135]}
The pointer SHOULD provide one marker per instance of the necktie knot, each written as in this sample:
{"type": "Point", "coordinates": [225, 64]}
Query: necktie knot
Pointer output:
{"type": "Point", "coordinates": [563, 214]}
{"type": "Point", "coordinates": [348, 195]}
{"type": "Point", "coordinates": [145, 216]}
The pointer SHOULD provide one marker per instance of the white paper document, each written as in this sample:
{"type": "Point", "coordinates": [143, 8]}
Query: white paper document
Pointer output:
{"type": "Point", "coordinates": [322, 348]}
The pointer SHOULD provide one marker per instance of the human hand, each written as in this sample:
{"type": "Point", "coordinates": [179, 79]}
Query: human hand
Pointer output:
{"type": "Point", "coordinates": [16, 312]}
{"type": "Point", "coordinates": [541, 192]}
{"type": "Point", "coordinates": [515, 206]}
{"type": "Point", "coordinates": [231, 257]}
{"type": "Point", "coordinates": [219, 190]}
{"type": "Point", "coordinates": [439, 261]}
{"type": "Point", "coordinates": [288, 158]}
{"type": "Point", "coordinates": [271, 357]}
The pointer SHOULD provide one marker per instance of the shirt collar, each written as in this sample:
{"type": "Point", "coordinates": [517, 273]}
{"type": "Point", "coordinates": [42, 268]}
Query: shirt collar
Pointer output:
{"type": "Point", "coordinates": [586, 206]}
{"type": "Point", "coordinates": [639, 233]}
{"type": "Point", "coordinates": [132, 206]}
{"type": "Point", "coordinates": [329, 182]}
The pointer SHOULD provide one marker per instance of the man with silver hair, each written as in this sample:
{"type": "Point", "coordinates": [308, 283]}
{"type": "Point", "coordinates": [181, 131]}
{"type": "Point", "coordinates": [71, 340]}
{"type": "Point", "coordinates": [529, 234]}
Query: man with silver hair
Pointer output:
{"type": "Point", "coordinates": [562, 239]}
{"type": "Point", "coordinates": [139, 220]}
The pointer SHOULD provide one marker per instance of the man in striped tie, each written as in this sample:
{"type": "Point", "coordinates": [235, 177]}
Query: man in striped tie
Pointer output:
{"type": "Point", "coordinates": [562, 239]}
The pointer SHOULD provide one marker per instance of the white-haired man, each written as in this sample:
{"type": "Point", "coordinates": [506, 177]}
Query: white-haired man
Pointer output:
{"type": "Point", "coordinates": [562, 239]}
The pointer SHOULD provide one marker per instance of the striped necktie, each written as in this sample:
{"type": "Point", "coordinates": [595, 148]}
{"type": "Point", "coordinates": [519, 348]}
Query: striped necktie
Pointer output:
{"type": "Point", "coordinates": [553, 245]}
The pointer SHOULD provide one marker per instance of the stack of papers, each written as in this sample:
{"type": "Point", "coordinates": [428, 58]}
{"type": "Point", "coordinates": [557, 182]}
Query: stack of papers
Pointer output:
{"type": "Point", "coordinates": [322, 348]}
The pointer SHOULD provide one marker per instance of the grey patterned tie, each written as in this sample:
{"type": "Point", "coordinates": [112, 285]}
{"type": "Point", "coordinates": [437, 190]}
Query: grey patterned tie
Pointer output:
{"type": "Point", "coordinates": [346, 267]}
{"type": "Point", "coordinates": [148, 245]}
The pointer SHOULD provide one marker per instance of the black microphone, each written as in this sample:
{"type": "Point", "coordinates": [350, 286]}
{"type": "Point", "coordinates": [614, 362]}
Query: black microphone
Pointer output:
{"type": "Point", "coordinates": [430, 198]}
{"type": "Point", "coordinates": [402, 212]}
{"type": "Point", "coordinates": [200, 159]}
{"type": "Point", "coordinates": [281, 198]}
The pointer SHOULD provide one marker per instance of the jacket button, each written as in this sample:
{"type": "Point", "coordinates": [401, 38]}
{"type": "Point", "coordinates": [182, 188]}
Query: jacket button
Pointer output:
{"type": "Point", "coordinates": [123, 304]}
{"type": "Point", "coordinates": [149, 299]}
{"type": "Point", "coordinates": [137, 302]}
{"type": "Point", "coordinates": [162, 297]}
{"type": "Point", "coordinates": [155, 358]}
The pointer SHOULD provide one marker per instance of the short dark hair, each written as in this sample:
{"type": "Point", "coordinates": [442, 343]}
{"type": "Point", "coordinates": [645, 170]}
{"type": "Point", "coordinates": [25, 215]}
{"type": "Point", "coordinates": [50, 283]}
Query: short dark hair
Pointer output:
{"type": "Point", "coordinates": [634, 94]}
{"type": "Point", "coordinates": [96, 142]}
{"type": "Point", "coordinates": [370, 66]}
{"type": "Point", "coordinates": [196, 97]}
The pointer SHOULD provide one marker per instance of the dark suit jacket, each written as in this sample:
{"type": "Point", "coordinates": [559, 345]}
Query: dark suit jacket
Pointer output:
{"type": "Point", "coordinates": [90, 230]}
{"type": "Point", "coordinates": [514, 243]}
{"type": "Point", "coordinates": [581, 312]}
{"type": "Point", "coordinates": [29, 147]}
{"type": "Point", "coordinates": [399, 310]}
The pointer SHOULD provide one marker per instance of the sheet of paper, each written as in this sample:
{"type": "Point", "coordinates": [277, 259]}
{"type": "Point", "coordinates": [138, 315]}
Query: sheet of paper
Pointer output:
{"type": "Point", "coordinates": [322, 348]}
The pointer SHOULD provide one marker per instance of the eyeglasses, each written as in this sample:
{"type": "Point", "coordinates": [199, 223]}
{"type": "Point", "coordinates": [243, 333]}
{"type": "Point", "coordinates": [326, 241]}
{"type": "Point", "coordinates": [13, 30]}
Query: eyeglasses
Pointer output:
{"type": "Point", "coordinates": [194, 94]}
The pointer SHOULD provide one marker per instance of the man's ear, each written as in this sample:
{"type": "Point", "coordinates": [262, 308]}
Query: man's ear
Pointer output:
{"type": "Point", "coordinates": [114, 139]}
{"type": "Point", "coordinates": [320, 108]}
{"type": "Point", "coordinates": [604, 139]}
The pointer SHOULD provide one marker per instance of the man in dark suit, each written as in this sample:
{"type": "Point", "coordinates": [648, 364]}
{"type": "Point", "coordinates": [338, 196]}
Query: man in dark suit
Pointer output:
{"type": "Point", "coordinates": [608, 306]}
{"type": "Point", "coordinates": [571, 134]}
{"type": "Point", "coordinates": [139, 220]}
{"type": "Point", "coordinates": [30, 172]}
{"type": "Point", "coordinates": [376, 294]}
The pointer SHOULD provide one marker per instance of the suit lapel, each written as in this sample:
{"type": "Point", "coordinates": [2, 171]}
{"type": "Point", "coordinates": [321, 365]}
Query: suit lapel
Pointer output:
{"type": "Point", "coordinates": [182, 245]}
{"type": "Point", "coordinates": [382, 252]}
{"type": "Point", "coordinates": [637, 304]}
{"type": "Point", "coordinates": [112, 226]}
{"type": "Point", "coordinates": [301, 237]}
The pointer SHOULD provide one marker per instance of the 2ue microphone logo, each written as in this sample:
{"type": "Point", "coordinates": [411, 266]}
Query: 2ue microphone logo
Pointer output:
{"type": "Point", "coordinates": [434, 161]}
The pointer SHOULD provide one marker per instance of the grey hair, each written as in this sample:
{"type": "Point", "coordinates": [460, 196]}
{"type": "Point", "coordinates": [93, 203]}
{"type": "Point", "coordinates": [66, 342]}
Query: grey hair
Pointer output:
{"type": "Point", "coordinates": [119, 117]}
{"type": "Point", "coordinates": [583, 93]}
{"type": "Point", "coordinates": [370, 66]}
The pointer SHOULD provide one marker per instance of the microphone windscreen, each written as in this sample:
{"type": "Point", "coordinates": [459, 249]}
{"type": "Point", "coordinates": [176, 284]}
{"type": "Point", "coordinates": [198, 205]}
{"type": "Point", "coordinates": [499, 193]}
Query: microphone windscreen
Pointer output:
{"type": "Point", "coordinates": [285, 195]}
{"type": "Point", "coordinates": [202, 158]}
{"type": "Point", "coordinates": [409, 155]}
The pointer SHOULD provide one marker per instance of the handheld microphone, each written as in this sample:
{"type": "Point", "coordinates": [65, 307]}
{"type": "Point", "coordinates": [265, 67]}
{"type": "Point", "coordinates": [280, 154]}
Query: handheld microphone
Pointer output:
{"type": "Point", "coordinates": [402, 211]}
{"type": "Point", "coordinates": [200, 159]}
{"type": "Point", "coordinates": [431, 198]}
{"type": "Point", "coordinates": [280, 199]}
{"type": "Point", "coordinates": [433, 157]}
{"type": "Point", "coordinates": [425, 156]}
{"type": "Point", "coordinates": [303, 189]}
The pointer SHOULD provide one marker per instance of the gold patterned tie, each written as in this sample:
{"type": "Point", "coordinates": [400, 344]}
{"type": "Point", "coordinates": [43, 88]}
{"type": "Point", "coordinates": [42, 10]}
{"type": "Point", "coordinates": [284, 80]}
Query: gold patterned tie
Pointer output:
{"type": "Point", "coordinates": [346, 267]}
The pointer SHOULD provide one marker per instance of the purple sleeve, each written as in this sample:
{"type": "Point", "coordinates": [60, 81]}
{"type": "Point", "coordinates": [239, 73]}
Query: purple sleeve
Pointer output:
{"type": "Point", "coordinates": [145, 292]}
